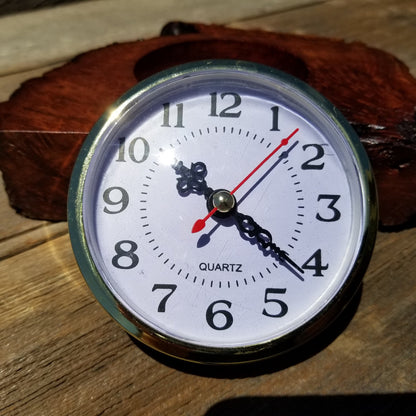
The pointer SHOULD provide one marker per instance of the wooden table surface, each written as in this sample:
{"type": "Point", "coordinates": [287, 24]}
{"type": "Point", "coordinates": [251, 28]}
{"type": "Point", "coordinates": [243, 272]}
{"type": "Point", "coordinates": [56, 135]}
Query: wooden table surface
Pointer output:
{"type": "Point", "coordinates": [61, 354]}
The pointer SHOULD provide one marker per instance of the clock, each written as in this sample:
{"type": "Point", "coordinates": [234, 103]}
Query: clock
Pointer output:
{"type": "Point", "coordinates": [222, 212]}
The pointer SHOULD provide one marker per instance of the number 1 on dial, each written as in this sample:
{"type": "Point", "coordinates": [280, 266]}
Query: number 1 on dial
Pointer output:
{"type": "Point", "coordinates": [275, 118]}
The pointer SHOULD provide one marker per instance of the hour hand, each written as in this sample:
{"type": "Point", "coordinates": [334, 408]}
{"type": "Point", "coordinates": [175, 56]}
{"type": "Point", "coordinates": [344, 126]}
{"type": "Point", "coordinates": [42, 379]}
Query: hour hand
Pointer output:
{"type": "Point", "coordinates": [192, 180]}
{"type": "Point", "coordinates": [247, 225]}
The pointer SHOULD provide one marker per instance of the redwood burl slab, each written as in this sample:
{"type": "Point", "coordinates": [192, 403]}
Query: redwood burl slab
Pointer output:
{"type": "Point", "coordinates": [44, 123]}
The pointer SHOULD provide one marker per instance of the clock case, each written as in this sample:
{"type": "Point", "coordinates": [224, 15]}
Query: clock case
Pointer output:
{"type": "Point", "coordinates": [172, 346]}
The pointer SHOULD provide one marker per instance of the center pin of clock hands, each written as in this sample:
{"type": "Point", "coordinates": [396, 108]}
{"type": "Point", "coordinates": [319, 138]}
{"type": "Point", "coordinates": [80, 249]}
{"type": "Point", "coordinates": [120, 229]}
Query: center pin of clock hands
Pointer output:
{"type": "Point", "coordinates": [192, 180]}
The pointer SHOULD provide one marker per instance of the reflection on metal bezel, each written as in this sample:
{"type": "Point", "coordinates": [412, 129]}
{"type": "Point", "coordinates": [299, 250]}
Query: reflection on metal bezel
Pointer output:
{"type": "Point", "coordinates": [195, 72]}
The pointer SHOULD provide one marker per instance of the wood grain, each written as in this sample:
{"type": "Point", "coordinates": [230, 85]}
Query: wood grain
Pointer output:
{"type": "Point", "coordinates": [45, 122]}
{"type": "Point", "coordinates": [45, 37]}
{"type": "Point", "coordinates": [24, 5]}
{"type": "Point", "coordinates": [61, 354]}
{"type": "Point", "coordinates": [10, 83]}
{"type": "Point", "coordinates": [50, 349]}
{"type": "Point", "coordinates": [387, 25]}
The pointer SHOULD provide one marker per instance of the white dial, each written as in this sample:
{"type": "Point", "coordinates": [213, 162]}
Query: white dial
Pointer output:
{"type": "Point", "coordinates": [222, 208]}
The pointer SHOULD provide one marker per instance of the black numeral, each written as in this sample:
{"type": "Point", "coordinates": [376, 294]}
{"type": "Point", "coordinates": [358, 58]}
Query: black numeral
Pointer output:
{"type": "Point", "coordinates": [170, 289]}
{"type": "Point", "coordinates": [270, 298]}
{"type": "Point", "coordinates": [336, 214]}
{"type": "Point", "coordinates": [131, 258]}
{"type": "Point", "coordinates": [135, 155]}
{"type": "Point", "coordinates": [223, 318]}
{"type": "Point", "coordinates": [275, 118]}
{"type": "Point", "coordinates": [315, 263]}
{"type": "Point", "coordinates": [226, 112]}
{"type": "Point", "coordinates": [115, 196]}
{"type": "Point", "coordinates": [319, 154]}
{"type": "Point", "coordinates": [166, 115]}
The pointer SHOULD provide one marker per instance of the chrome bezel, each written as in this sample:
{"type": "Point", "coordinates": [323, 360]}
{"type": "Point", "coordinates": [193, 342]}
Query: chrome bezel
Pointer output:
{"type": "Point", "coordinates": [171, 345]}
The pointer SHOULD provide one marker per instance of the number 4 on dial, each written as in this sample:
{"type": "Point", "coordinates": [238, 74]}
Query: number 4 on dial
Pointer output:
{"type": "Point", "coordinates": [315, 263]}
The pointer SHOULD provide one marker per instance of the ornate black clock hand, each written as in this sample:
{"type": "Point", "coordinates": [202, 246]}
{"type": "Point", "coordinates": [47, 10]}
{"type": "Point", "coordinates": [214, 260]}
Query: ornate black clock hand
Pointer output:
{"type": "Point", "coordinates": [247, 225]}
{"type": "Point", "coordinates": [192, 180]}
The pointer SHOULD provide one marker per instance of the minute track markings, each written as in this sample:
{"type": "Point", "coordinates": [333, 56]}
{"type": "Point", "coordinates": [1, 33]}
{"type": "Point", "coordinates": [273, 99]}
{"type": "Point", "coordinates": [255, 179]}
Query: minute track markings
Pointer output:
{"type": "Point", "coordinates": [197, 134]}
{"type": "Point", "coordinates": [150, 239]}
{"type": "Point", "coordinates": [299, 190]}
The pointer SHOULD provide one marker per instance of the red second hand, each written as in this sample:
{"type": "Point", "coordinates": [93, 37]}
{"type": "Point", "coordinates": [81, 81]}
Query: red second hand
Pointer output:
{"type": "Point", "coordinates": [200, 224]}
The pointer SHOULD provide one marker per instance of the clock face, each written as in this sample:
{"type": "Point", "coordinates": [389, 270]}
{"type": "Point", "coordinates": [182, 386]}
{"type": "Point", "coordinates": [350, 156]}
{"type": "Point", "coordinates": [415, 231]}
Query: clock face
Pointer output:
{"type": "Point", "coordinates": [222, 212]}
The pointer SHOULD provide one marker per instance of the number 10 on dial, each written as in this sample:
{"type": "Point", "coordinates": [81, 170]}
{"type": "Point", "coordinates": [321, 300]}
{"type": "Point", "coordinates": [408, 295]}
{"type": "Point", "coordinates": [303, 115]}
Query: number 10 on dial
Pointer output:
{"type": "Point", "coordinates": [224, 212]}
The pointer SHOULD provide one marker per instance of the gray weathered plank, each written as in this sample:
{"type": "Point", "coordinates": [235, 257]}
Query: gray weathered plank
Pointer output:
{"type": "Point", "coordinates": [44, 37]}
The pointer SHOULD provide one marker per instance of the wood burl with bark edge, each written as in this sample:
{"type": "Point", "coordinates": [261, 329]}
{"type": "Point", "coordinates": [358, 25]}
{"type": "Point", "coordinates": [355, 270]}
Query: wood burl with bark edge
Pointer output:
{"type": "Point", "coordinates": [45, 121]}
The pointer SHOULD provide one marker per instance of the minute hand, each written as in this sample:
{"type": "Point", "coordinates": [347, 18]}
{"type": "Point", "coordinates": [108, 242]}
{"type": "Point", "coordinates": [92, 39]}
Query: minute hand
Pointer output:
{"type": "Point", "coordinates": [247, 225]}
{"type": "Point", "coordinates": [200, 223]}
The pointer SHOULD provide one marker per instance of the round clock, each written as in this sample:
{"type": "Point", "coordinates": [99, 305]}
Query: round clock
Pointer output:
{"type": "Point", "coordinates": [222, 212]}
